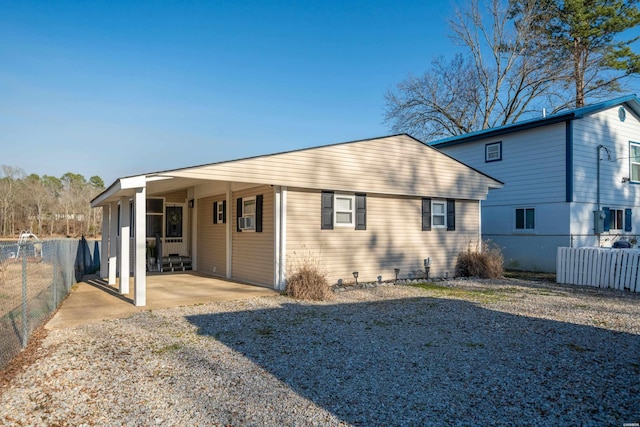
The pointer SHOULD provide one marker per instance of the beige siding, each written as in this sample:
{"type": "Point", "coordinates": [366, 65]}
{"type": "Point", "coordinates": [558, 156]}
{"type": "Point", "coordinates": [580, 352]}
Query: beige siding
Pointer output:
{"type": "Point", "coordinates": [175, 197]}
{"type": "Point", "coordinates": [253, 252]}
{"type": "Point", "coordinates": [393, 238]}
{"type": "Point", "coordinates": [212, 247]}
{"type": "Point", "coordinates": [397, 165]}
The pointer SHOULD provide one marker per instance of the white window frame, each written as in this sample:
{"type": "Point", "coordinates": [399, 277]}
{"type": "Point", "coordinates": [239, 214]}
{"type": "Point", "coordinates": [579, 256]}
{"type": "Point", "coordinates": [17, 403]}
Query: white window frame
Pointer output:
{"type": "Point", "coordinates": [615, 225]}
{"type": "Point", "coordinates": [495, 158]}
{"type": "Point", "coordinates": [245, 201]}
{"type": "Point", "coordinates": [443, 214]}
{"type": "Point", "coordinates": [515, 220]}
{"type": "Point", "coordinates": [351, 212]}
{"type": "Point", "coordinates": [633, 163]}
{"type": "Point", "coordinates": [220, 213]}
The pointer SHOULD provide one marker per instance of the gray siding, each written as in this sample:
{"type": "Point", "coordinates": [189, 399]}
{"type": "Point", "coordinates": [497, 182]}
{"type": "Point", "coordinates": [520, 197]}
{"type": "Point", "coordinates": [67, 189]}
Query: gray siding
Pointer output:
{"type": "Point", "coordinates": [532, 167]}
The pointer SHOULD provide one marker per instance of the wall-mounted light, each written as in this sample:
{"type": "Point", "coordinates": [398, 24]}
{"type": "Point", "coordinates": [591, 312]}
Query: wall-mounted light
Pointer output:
{"type": "Point", "coordinates": [191, 203]}
{"type": "Point", "coordinates": [355, 275]}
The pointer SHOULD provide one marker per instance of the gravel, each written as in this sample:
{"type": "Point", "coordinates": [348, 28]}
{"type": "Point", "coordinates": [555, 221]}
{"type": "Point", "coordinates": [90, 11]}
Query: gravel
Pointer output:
{"type": "Point", "coordinates": [463, 352]}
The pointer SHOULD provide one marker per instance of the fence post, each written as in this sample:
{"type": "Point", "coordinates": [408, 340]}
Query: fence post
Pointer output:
{"type": "Point", "coordinates": [24, 300]}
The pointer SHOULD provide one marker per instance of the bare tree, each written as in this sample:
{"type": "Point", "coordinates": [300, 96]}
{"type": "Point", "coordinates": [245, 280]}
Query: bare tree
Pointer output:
{"type": "Point", "coordinates": [496, 81]}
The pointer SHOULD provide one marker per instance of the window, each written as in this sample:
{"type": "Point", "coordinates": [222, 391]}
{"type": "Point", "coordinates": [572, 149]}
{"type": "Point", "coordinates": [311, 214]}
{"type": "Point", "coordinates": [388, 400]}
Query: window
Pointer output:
{"type": "Point", "coordinates": [248, 218]}
{"type": "Point", "coordinates": [525, 219]}
{"type": "Point", "coordinates": [634, 161]}
{"type": "Point", "coordinates": [344, 210]}
{"type": "Point", "coordinates": [220, 212]}
{"type": "Point", "coordinates": [439, 214]}
{"type": "Point", "coordinates": [493, 152]}
{"type": "Point", "coordinates": [174, 221]}
{"type": "Point", "coordinates": [617, 219]}
{"type": "Point", "coordinates": [154, 217]}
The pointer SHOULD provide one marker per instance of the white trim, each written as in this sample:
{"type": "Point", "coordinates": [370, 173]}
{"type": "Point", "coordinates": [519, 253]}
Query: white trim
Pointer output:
{"type": "Point", "coordinates": [140, 238]}
{"type": "Point", "coordinates": [524, 230]}
{"type": "Point", "coordinates": [248, 218]}
{"type": "Point", "coordinates": [480, 222]}
{"type": "Point", "coordinates": [194, 234]}
{"type": "Point", "coordinates": [229, 230]}
{"type": "Point", "coordinates": [444, 213]}
{"type": "Point", "coordinates": [125, 228]}
{"type": "Point", "coordinates": [280, 244]}
{"type": "Point", "coordinates": [352, 198]}
{"type": "Point", "coordinates": [113, 242]}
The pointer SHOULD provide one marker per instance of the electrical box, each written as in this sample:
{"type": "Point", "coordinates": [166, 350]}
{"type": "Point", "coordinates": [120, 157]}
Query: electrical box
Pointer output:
{"type": "Point", "coordinates": [598, 221]}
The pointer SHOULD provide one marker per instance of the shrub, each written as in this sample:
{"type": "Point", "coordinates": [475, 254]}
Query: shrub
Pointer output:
{"type": "Point", "coordinates": [485, 261]}
{"type": "Point", "coordinates": [307, 280]}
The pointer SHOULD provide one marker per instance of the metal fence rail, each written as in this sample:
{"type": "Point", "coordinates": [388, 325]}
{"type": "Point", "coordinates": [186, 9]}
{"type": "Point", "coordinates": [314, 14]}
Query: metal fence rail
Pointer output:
{"type": "Point", "coordinates": [35, 278]}
{"type": "Point", "coordinates": [601, 267]}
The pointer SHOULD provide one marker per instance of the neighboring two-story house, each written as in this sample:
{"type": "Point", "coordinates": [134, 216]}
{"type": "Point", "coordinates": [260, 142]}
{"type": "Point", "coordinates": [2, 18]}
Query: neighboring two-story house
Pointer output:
{"type": "Point", "coordinates": [571, 180]}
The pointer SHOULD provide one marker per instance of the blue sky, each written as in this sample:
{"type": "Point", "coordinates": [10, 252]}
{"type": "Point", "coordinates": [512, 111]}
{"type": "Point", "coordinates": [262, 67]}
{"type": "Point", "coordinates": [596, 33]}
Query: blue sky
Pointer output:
{"type": "Point", "coordinates": [122, 88]}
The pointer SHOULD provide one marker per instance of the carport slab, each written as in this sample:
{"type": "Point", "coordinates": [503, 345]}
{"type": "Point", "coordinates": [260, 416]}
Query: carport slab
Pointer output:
{"type": "Point", "coordinates": [93, 300]}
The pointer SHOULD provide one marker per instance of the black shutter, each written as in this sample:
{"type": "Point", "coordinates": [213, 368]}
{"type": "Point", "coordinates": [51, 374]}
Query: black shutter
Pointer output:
{"type": "Point", "coordinates": [426, 214]}
{"type": "Point", "coordinates": [361, 211]}
{"type": "Point", "coordinates": [215, 212]}
{"type": "Point", "coordinates": [327, 211]}
{"type": "Point", "coordinates": [451, 214]}
{"type": "Point", "coordinates": [259, 213]}
{"type": "Point", "coordinates": [238, 213]}
{"type": "Point", "coordinates": [607, 223]}
{"type": "Point", "coordinates": [224, 211]}
{"type": "Point", "coordinates": [627, 220]}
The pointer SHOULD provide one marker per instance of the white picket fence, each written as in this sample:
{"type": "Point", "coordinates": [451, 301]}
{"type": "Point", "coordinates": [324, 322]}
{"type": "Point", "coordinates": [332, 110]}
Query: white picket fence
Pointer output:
{"type": "Point", "coordinates": [601, 267]}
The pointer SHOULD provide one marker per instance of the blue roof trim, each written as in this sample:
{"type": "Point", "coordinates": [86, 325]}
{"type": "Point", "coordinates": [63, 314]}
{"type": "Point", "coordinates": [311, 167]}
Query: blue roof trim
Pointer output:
{"type": "Point", "coordinates": [577, 113]}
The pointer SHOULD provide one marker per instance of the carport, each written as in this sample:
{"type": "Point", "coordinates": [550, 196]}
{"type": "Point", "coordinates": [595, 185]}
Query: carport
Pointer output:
{"type": "Point", "coordinates": [94, 300]}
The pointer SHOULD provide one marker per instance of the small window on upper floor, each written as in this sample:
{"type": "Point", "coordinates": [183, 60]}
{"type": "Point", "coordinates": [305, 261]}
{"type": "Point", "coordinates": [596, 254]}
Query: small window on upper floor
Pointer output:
{"type": "Point", "coordinates": [634, 161]}
{"type": "Point", "coordinates": [493, 152]}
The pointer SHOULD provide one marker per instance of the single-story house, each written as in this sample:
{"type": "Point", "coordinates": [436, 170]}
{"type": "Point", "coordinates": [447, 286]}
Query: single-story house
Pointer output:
{"type": "Point", "coordinates": [570, 180]}
{"type": "Point", "coordinates": [371, 206]}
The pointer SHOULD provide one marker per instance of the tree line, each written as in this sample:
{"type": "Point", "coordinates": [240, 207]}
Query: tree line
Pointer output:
{"type": "Point", "coordinates": [47, 205]}
{"type": "Point", "coordinates": [516, 58]}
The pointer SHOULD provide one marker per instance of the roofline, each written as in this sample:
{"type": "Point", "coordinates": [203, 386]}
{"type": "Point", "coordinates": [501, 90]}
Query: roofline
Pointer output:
{"type": "Point", "coordinates": [631, 100]}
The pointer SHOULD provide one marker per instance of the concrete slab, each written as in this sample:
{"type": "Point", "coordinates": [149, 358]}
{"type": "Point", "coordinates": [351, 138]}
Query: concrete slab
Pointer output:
{"type": "Point", "coordinates": [93, 300]}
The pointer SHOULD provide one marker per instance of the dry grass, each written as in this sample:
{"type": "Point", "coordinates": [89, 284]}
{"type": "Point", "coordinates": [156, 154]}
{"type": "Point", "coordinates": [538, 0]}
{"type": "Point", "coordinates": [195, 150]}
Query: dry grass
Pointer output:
{"type": "Point", "coordinates": [485, 262]}
{"type": "Point", "coordinates": [308, 280]}
{"type": "Point", "coordinates": [39, 278]}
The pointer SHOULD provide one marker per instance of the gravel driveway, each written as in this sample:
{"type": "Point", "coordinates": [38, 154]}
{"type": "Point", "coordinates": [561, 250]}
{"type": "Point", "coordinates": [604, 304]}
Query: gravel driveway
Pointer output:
{"type": "Point", "coordinates": [468, 353]}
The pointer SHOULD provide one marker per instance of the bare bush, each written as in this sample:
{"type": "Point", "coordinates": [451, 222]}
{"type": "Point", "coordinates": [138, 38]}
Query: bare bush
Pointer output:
{"type": "Point", "coordinates": [484, 261]}
{"type": "Point", "coordinates": [308, 280]}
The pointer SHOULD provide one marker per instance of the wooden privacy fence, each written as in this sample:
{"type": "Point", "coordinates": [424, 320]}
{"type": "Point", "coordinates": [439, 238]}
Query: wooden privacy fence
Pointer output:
{"type": "Point", "coordinates": [601, 267]}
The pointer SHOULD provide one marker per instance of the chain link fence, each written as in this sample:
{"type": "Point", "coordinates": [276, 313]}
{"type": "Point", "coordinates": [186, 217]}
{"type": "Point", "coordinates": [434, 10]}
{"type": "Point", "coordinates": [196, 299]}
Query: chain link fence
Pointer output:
{"type": "Point", "coordinates": [35, 277]}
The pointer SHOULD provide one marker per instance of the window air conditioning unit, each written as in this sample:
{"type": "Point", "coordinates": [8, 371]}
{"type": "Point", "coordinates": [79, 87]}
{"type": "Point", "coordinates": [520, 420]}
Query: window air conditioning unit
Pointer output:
{"type": "Point", "coordinates": [246, 222]}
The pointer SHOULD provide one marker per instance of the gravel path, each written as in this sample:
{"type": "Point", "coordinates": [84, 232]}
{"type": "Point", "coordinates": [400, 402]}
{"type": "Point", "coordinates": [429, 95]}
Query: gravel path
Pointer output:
{"type": "Point", "coordinates": [468, 353]}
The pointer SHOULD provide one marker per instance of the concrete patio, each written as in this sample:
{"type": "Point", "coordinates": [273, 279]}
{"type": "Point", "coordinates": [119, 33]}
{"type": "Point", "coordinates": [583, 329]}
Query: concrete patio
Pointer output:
{"type": "Point", "coordinates": [93, 300]}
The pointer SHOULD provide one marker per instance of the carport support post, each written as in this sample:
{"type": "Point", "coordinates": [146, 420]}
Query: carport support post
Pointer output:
{"type": "Point", "coordinates": [113, 242]}
{"type": "Point", "coordinates": [124, 245]}
{"type": "Point", "coordinates": [140, 237]}
{"type": "Point", "coordinates": [104, 254]}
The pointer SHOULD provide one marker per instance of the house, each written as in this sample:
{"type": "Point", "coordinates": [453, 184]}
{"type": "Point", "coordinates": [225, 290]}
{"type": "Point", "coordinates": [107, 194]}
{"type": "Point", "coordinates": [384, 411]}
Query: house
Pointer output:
{"type": "Point", "coordinates": [570, 180]}
{"type": "Point", "coordinates": [370, 206]}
